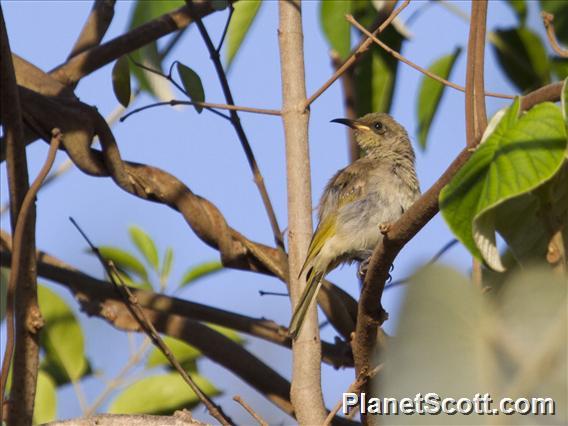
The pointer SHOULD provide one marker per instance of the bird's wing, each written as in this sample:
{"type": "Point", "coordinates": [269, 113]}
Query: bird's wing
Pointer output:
{"type": "Point", "coordinates": [346, 186]}
{"type": "Point", "coordinates": [324, 231]}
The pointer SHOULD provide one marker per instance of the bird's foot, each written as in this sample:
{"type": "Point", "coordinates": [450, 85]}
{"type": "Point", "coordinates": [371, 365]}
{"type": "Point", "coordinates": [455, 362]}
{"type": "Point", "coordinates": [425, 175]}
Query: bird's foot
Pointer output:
{"type": "Point", "coordinates": [384, 228]}
{"type": "Point", "coordinates": [363, 267]}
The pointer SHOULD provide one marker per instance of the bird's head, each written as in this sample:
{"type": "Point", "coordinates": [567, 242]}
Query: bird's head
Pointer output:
{"type": "Point", "coordinates": [378, 132]}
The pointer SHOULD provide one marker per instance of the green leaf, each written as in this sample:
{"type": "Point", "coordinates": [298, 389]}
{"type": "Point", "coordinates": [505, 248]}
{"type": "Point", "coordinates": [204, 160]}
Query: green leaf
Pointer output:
{"type": "Point", "coordinates": [4, 276]}
{"type": "Point", "coordinates": [202, 270]}
{"type": "Point", "coordinates": [121, 81]}
{"type": "Point", "coordinates": [56, 372]}
{"type": "Point", "coordinates": [167, 264]}
{"type": "Point", "coordinates": [335, 28]}
{"type": "Point", "coordinates": [45, 406]}
{"type": "Point", "coordinates": [124, 260]}
{"type": "Point", "coordinates": [219, 4]}
{"type": "Point", "coordinates": [62, 337]}
{"type": "Point", "coordinates": [430, 94]}
{"type": "Point", "coordinates": [145, 245]}
{"type": "Point", "coordinates": [192, 85]}
{"type": "Point", "coordinates": [522, 56]}
{"type": "Point", "coordinates": [522, 153]}
{"type": "Point", "coordinates": [243, 16]}
{"type": "Point", "coordinates": [559, 67]}
{"type": "Point", "coordinates": [375, 76]}
{"type": "Point", "coordinates": [144, 11]}
{"type": "Point", "coordinates": [183, 352]}
{"type": "Point", "coordinates": [160, 394]}
{"type": "Point", "coordinates": [520, 9]}
{"type": "Point", "coordinates": [498, 342]}
{"type": "Point", "coordinates": [227, 332]}
{"type": "Point", "coordinates": [559, 8]}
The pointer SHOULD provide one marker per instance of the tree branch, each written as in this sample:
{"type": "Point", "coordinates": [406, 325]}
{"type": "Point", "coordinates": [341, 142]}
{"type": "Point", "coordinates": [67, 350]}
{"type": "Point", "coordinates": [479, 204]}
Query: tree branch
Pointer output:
{"type": "Point", "coordinates": [27, 315]}
{"type": "Point", "coordinates": [236, 122]}
{"type": "Point", "coordinates": [547, 19]}
{"type": "Point", "coordinates": [306, 371]}
{"type": "Point", "coordinates": [408, 62]}
{"type": "Point", "coordinates": [92, 59]}
{"type": "Point", "coordinates": [95, 27]}
{"type": "Point", "coordinates": [94, 294]}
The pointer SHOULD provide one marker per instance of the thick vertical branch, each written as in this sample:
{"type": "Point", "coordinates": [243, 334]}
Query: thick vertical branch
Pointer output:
{"type": "Point", "coordinates": [306, 381]}
{"type": "Point", "coordinates": [27, 315]}
{"type": "Point", "coordinates": [475, 114]}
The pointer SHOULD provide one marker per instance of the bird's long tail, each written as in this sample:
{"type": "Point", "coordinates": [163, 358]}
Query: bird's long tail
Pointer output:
{"type": "Point", "coordinates": [313, 284]}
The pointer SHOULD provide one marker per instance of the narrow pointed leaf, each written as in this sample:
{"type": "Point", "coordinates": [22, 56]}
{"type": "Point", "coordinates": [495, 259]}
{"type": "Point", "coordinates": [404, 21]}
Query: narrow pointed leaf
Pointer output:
{"type": "Point", "coordinates": [335, 27]}
{"type": "Point", "coordinates": [430, 94]}
{"type": "Point", "coordinates": [375, 75]}
{"type": "Point", "coordinates": [242, 19]}
{"type": "Point", "coordinates": [522, 56]}
{"type": "Point", "coordinates": [519, 7]}
{"type": "Point", "coordinates": [167, 264]}
{"type": "Point", "coordinates": [145, 245]}
{"type": "Point", "coordinates": [124, 260]}
{"type": "Point", "coordinates": [160, 394]}
{"type": "Point", "coordinates": [200, 271]}
{"type": "Point", "coordinates": [62, 336]}
{"type": "Point", "coordinates": [121, 81]}
{"type": "Point", "coordinates": [192, 85]}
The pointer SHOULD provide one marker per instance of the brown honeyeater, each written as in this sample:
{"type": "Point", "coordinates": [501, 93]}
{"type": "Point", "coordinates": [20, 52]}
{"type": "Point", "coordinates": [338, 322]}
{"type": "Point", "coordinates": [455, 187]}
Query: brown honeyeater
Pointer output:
{"type": "Point", "coordinates": [375, 189]}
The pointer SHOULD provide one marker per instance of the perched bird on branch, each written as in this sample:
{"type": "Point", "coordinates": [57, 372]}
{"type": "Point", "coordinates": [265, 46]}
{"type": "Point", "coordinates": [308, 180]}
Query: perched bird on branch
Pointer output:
{"type": "Point", "coordinates": [373, 191]}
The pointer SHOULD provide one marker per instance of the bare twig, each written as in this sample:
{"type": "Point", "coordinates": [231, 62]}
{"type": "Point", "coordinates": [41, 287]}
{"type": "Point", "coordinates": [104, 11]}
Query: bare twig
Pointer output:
{"type": "Point", "coordinates": [424, 71]}
{"type": "Point", "coordinates": [357, 52]}
{"type": "Point", "coordinates": [236, 122]}
{"type": "Point", "coordinates": [355, 387]}
{"type": "Point", "coordinates": [222, 40]}
{"type": "Point", "coordinates": [547, 19]}
{"type": "Point", "coordinates": [175, 102]}
{"type": "Point", "coordinates": [95, 26]}
{"type": "Point", "coordinates": [249, 410]}
{"type": "Point", "coordinates": [146, 325]}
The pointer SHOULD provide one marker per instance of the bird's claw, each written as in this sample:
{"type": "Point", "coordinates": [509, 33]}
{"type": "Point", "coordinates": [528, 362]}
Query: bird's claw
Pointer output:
{"type": "Point", "coordinates": [384, 228]}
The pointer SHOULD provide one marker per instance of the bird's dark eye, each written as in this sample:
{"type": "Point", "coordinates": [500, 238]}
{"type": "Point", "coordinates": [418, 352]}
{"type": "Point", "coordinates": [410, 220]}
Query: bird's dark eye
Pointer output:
{"type": "Point", "coordinates": [378, 126]}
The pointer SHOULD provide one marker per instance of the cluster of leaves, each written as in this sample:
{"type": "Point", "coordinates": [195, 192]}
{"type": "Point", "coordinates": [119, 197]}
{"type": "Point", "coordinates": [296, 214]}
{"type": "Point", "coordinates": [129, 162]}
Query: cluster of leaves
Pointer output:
{"type": "Point", "coordinates": [64, 359]}
{"type": "Point", "coordinates": [148, 69]}
{"type": "Point", "coordinates": [510, 342]}
{"type": "Point", "coordinates": [514, 184]}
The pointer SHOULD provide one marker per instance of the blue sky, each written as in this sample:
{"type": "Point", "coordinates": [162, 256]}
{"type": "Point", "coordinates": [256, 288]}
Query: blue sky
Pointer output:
{"type": "Point", "coordinates": [203, 151]}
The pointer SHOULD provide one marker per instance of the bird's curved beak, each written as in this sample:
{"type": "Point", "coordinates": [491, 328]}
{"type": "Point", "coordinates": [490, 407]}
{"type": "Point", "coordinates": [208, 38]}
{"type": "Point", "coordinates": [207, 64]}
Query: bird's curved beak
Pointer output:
{"type": "Point", "coordinates": [354, 124]}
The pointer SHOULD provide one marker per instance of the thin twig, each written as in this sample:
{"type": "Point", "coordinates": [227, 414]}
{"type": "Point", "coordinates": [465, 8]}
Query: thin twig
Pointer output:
{"type": "Point", "coordinates": [231, 11]}
{"type": "Point", "coordinates": [357, 52]}
{"type": "Point", "coordinates": [139, 315]}
{"type": "Point", "coordinates": [236, 122]}
{"type": "Point", "coordinates": [249, 409]}
{"type": "Point", "coordinates": [207, 105]}
{"type": "Point", "coordinates": [424, 71]}
{"type": "Point", "coordinates": [16, 263]}
{"type": "Point", "coordinates": [433, 260]}
{"type": "Point", "coordinates": [354, 387]}
{"type": "Point", "coordinates": [547, 19]}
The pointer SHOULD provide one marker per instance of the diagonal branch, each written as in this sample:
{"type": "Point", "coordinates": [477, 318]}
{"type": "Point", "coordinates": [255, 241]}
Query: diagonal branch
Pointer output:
{"type": "Point", "coordinates": [547, 19]}
{"type": "Point", "coordinates": [95, 27]}
{"type": "Point", "coordinates": [92, 59]}
{"type": "Point", "coordinates": [236, 122]}
{"type": "Point", "coordinates": [354, 57]}
{"type": "Point", "coordinates": [93, 293]}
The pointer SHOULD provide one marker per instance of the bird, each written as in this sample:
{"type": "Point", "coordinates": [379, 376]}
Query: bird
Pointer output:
{"type": "Point", "coordinates": [373, 191]}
